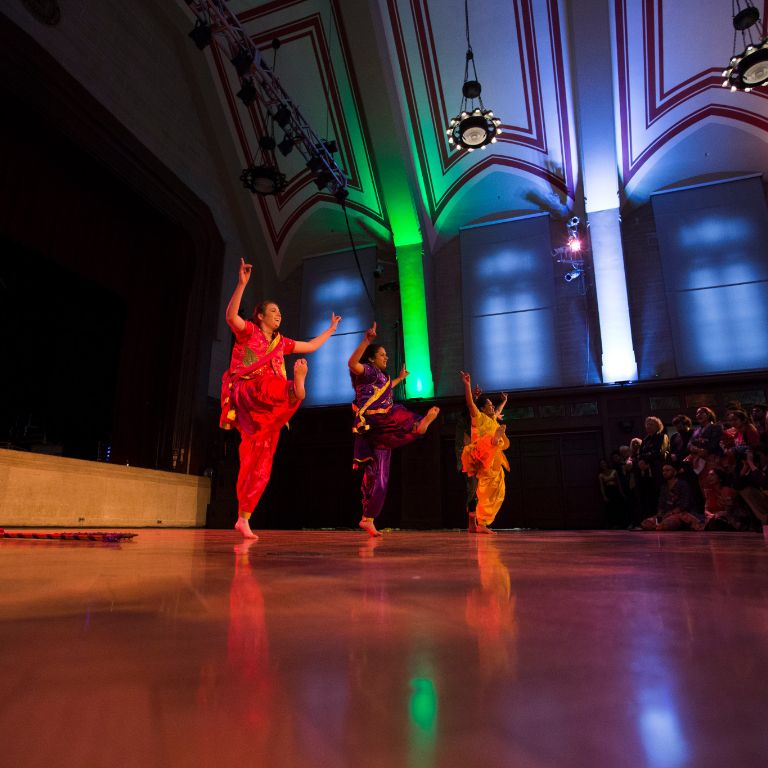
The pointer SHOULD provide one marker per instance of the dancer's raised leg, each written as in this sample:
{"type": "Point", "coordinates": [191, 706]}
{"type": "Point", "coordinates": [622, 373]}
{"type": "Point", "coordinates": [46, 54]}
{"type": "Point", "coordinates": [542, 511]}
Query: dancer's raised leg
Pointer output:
{"type": "Point", "coordinates": [429, 417]}
{"type": "Point", "coordinates": [300, 370]}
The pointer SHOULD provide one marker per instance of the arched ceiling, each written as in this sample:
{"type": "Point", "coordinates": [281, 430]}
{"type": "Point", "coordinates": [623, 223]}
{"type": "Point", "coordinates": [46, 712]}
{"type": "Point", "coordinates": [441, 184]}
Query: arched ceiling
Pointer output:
{"type": "Point", "coordinates": [383, 78]}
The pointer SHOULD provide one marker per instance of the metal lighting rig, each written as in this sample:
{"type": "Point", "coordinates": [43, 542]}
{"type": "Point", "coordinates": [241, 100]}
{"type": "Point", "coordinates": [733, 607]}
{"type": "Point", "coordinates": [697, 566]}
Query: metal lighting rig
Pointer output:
{"type": "Point", "coordinates": [214, 19]}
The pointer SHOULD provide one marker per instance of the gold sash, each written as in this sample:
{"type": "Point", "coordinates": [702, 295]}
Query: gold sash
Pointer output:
{"type": "Point", "coordinates": [362, 425]}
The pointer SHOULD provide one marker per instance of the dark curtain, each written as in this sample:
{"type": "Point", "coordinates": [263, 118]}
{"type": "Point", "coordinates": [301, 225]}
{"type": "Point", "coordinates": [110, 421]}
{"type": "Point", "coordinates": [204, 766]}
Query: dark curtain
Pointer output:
{"type": "Point", "coordinates": [94, 287]}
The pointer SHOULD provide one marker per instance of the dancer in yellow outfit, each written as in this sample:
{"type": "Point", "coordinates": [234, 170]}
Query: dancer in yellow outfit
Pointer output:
{"type": "Point", "coordinates": [484, 458]}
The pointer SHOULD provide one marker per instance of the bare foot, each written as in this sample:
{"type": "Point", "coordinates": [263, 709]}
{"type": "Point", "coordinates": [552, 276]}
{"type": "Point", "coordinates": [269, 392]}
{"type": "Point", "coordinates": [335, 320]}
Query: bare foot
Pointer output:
{"type": "Point", "coordinates": [430, 416]}
{"type": "Point", "coordinates": [472, 526]}
{"type": "Point", "coordinates": [367, 525]}
{"type": "Point", "coordinates": [299, 374]}
{"type": "Point", "coordinates": [244, 528]}
{"type": "Point", "coordinates": [480, 528]}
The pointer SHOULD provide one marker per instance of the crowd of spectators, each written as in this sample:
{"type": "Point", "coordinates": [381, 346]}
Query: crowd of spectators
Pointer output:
{"type": "Point", "coordinates": [705, 474]}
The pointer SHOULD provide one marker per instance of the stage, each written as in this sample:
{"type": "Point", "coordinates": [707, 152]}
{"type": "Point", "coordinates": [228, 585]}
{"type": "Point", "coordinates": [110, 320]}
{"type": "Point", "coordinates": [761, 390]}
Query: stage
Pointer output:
{"type": "Point", "coordinates": [440, 649]}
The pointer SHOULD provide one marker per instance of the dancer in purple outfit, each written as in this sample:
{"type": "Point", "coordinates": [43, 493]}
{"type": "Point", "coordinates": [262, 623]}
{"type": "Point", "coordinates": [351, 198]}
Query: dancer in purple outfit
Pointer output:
{"type": "Point", "coordinates": [379, 424]}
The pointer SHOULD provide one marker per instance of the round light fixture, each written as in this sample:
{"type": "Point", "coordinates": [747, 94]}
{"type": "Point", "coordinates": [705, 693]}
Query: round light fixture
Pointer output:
{"type": "Point", "coordinates": [474, 127]}
{"type": "Point", "coordinates": [748, 69]}
{"type": "Point", "coordinates": [263, 179]}
{"type": "Point", "coordinates": [475, 130]}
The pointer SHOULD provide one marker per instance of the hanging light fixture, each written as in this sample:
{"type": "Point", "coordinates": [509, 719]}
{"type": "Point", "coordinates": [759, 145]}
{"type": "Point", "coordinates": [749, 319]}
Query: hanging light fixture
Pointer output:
{"type": "Point", "coordinates": [475, 126]}
{"type": "Point", "coordinates": [748, 69]}
{"type": "Point", "coordinates": [264, 177]}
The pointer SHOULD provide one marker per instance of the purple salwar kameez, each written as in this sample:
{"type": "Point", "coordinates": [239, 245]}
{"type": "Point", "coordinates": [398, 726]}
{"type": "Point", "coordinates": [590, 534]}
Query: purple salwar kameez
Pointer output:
{"type": "Point", "coordinates": [379, 426]}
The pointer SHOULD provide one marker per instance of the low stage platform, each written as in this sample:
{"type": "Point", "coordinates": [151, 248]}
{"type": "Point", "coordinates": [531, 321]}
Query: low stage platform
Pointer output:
{"type": "Point", "coordinates": [437, 650]}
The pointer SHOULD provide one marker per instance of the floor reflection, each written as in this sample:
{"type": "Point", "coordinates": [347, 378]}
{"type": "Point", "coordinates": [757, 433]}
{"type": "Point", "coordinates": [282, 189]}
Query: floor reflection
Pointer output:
{"type": "Point", "coordinates": [417, 650]}
{"type": "Point", "coordinates": [491, 612]}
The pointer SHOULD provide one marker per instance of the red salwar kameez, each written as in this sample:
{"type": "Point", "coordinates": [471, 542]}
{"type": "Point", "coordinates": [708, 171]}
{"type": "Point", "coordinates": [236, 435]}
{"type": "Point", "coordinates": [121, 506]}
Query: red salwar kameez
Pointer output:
{"type": "Point", "coordinates": [257, 399]}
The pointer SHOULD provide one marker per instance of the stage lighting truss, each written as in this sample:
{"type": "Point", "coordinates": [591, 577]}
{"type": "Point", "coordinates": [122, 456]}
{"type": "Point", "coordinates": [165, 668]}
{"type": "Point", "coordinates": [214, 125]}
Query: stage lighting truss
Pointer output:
{"type": "Point", "coordinates": [260, 84]}
{"type": "Point", "coordinates": [572, 253]}
{"type": "Point", "coordinates": [475, 127]}
{"type": "Point", "coordinates": [748, 69]}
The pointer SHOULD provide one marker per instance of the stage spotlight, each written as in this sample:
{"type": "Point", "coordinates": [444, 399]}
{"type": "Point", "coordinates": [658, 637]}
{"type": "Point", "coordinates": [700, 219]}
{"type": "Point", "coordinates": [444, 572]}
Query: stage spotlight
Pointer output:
{"type": "Point", "coordinates": [286, 145]}
{"type": "Point", "coordinates": [323, 179]}
{"type": "Point", "coordinates": [282, 116]}
{"type": "Point", "coordinates": [574, 274]}
{"type": "Point", "coordinates": [263, 179]}
{"type": "Point", "coordinates": [201, 34]}
{"type": "Point", "coordinates": [242, 61]}
{"type": "Point", "coordinates": [247, 94]}
{"type": "Point", "coordinates": [315, 165]}
{"type": "Point", "coordinates": [330, 146]}
{"type": "Point", "coordinates": [267, 143]}
{"type": "Point", "coordinates": [574, 244]}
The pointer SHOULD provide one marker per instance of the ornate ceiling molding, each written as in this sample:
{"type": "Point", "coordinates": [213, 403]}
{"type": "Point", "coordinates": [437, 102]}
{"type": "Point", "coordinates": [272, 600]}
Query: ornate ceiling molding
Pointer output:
{"type": "Point", "coordinates": [525, 147]}
{"type": "Point", "coordinates": [669, 107]}
{"type": "Point", "coordinates": [305, 26]}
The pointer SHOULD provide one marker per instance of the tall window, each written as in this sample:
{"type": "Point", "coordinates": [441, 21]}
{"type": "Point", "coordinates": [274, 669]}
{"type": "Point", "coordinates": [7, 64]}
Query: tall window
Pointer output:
{"type": "Point", "coordinates": [509, 304]}
{"type": "Point", "coordinates": [331, 283]}
{"type": "Point", "coordinates": [713, 241]}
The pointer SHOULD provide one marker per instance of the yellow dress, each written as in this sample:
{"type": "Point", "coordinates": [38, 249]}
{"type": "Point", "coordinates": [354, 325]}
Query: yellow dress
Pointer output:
{"type": "Point", "coordinates": [487, 462]}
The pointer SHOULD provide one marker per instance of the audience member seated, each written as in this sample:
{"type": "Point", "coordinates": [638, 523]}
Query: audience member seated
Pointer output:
{"type": "Point", "coordinates": [674, 511]}
{"type": "Point", "coordinates": [723, 511]}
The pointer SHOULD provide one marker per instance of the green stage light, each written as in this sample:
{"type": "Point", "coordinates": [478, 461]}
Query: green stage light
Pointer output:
{"type": "Point", "coordinates": [413, 307]}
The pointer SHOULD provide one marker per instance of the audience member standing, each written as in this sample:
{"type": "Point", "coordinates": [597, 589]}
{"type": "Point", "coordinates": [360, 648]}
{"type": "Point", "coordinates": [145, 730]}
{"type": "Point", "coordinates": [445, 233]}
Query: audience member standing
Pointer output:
{"type": "Point", "coordinates": [613, 496]}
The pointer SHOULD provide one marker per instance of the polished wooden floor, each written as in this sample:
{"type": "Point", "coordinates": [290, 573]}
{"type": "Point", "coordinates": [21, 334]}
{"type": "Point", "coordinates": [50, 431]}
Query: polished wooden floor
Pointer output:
{"type": "Point", "coordinates": [191, 648]}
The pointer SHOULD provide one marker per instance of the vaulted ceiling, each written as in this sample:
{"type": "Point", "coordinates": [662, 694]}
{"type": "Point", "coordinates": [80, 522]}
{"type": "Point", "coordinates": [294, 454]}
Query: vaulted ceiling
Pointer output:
{"type": "Point", "coordinates": [383, 78]}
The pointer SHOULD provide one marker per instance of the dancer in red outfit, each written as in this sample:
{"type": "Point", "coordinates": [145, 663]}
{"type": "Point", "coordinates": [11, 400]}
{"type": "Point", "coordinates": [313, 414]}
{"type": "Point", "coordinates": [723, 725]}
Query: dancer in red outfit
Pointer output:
{"type": "Point", "coordinates": [256, 396]}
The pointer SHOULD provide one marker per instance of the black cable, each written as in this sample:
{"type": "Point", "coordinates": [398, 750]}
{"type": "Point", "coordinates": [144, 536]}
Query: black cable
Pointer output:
{"type": "Point", "coordinates": [354, 251]}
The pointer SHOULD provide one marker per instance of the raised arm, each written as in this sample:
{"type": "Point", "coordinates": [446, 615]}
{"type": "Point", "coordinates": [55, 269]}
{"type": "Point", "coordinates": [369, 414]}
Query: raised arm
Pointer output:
{"type": "Point", "coordinates": [234, 321]}
{"type": "Point", "coordinates": [355, 366]}
{"type": "Point", "coordinates": [303, 347]}
{"type": "Point", "coordinates": [465, 377]}
{"type": "Point", "coordinates": [403, 375]}
{"type": "Point", "coordinates": [499, 411]}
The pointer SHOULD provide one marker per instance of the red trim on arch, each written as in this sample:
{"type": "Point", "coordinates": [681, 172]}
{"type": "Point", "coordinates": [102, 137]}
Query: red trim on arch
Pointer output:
{"type": "Point", "coordinates": [506, 162]}
{"type": "Point", "coordinates": [675, 96]}
{"type": "Point", "coordinates": [309, 26]}
{"type": "Point", "coordinates": [533, 135]}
